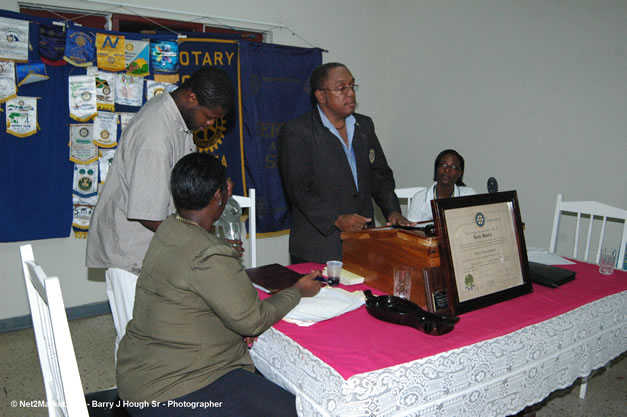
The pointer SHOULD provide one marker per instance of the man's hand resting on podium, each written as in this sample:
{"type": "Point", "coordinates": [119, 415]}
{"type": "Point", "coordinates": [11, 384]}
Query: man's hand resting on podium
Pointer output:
{"type": "Point", "coordinates": [351, 222]}
{"type": "Point", "coordinates": [397, 218]}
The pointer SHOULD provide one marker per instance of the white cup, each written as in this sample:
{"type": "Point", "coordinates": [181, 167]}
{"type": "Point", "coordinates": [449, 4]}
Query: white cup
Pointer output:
{"type": "Point", "coordinates": [334, 270]}
{"type": "Point", "coordinates": [402, 281]}
{"type": "Point", "coordinates": [607, 261]}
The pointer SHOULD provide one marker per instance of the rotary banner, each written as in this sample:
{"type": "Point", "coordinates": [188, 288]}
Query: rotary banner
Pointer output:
{"type": "Point", "coordinates": [224, 139]}
{"type": "Point", "coordinates": [275, 88]}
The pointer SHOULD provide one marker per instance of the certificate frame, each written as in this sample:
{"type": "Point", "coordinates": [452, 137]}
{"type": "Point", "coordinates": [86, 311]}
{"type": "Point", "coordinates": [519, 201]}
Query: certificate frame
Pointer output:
{"type": "Point", "coordinates": [489, 260]}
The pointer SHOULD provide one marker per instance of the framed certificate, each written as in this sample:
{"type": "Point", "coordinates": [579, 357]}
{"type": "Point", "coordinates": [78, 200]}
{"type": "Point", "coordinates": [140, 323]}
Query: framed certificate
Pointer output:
{"type": "Point", "coordinates": [483, 256]}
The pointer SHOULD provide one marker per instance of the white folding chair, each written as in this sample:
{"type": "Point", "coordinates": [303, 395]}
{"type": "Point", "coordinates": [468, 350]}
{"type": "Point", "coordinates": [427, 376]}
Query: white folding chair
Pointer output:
{"type": "Point", "coordinates": [250, 203]}
{"type": "Point", "coordinates": [591, 210]}
{"type": "Point", "coordinates": [407, 193]}
{"type": "Point", "coordinates": [62, 381]}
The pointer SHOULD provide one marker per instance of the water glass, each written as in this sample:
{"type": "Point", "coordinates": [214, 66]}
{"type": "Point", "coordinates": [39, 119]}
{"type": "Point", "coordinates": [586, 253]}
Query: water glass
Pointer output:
{"type": "Point", "coordinates": [607, 261]}
{"type": "Point", "coordinates": [402, 281]}
{"type": "Point", "coordinates": [334, 270]}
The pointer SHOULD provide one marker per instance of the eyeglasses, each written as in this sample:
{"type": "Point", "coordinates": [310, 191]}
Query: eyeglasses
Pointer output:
{"type": "Point", "coordinates": [443, 165]}
{"type": "Point", "coordinates": [343, 90]}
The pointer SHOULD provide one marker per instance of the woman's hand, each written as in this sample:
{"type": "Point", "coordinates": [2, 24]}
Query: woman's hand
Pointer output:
{"type": "Point", "coordinates": [250, 341]}
{"type": "Point", "coordinates": [237, 245]}
{"type": "Point", "coordinates": [308, 285]}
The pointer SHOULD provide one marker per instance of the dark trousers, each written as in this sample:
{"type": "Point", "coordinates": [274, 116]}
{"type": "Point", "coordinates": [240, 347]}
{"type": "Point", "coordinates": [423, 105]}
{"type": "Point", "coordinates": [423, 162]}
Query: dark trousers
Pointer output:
{"type": "Point", "coordinates": [239, 393]}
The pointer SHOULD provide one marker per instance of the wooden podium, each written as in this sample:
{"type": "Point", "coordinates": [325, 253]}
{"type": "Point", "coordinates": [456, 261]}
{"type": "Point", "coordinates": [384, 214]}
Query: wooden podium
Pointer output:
{"type": "Point", "coordinates": [373, 254]}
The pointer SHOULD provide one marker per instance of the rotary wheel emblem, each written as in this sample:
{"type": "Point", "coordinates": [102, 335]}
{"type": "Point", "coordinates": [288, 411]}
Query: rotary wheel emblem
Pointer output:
{"type": "Point", "coordinates": [210, 137]}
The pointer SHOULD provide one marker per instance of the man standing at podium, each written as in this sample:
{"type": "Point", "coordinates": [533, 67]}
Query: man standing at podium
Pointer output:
{"type": "Point", "coordinates": [332, 165]}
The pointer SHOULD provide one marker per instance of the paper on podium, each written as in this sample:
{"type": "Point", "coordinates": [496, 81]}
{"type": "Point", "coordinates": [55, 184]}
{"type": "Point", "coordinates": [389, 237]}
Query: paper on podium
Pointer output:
{"type": "Point", "coordinates": [347, 277]}
{"type": "Point", "coordinates": [328, 303]}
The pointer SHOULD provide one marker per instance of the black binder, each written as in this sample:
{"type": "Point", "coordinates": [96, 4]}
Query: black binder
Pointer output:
{"type": "Point", "coordinates": [549, 276]}
{"type": "Point", "coordinates": [272, 278]}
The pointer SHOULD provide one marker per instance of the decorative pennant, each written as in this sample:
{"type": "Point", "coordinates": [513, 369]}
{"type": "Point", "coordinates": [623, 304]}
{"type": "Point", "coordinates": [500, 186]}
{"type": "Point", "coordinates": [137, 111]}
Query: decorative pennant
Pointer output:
{"type": "Point", "coordinates": [105, 90]}
{"type": "Point", "coordinates": [22, 116]}
{"type": "Point", "coordinates": [164, 56]}
{"type": "Point", "coordinates": [111, 52]}
{"type": "Point", "coordinates": [125, 117]}
{"type": "Point", "coordinates": [31, 73]}
{"type": "Point", "coordinates": [85, 183]}
{"type": "Point", "coordinates": [14, 39]}
{"type": "Point", "coordinates": [137, 57]}
{"type": "Point", "coordinates": [7, 81]}
{"type": "Point", "coordinates": [167, 78]}
{"type": "Point", "coordinates": [51, 44]}
{"type": "Point", "coordinates": [106, 130]}
{"type": "Point", "coordinates": [81, 220]}
{"type": "Point", "coordinates": [154, 88]}
{"type": "Point", "coordinates": [129, 89]}
{"type": "Point", "coordinates": [82, 148]}
{"type": "Point", "coordinates": [104, 161]}
{"type": "Point", "coordinates": [82, 94]}
{"type": "Point", "coordinates": [80, 48]}
{"type": "Point", "coordinates": [84, 201]}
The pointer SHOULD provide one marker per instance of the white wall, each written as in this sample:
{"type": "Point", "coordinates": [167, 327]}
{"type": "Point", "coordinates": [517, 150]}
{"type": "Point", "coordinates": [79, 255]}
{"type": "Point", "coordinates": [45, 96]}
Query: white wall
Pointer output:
{"type": "Point", "coordinates": [531, 92]}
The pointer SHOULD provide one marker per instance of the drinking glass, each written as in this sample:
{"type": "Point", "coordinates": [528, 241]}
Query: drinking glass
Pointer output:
{"type": "Point", "coordinates": [402, 281]}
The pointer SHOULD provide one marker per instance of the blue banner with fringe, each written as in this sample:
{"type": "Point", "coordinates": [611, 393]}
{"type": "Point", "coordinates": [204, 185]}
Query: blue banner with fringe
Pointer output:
{"type": "Point", "coordinates": [275, 89]}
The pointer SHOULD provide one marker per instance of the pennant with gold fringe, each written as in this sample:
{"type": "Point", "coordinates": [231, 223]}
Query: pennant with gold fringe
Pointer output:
{"type": "Point", "coordinates": [82, 148]}
{"type": "Point", "coordinates": [85, 182]}
{"type": "Point", "coordinates": [111, 52]}
{"type": "Point", "coordinates": [81, 220]}
{"type": "Point", "coordinates": [30, 73]}
{"type": "Point", "coordinates": [82, 95]}
{"type": "Point", "coordinates": [105, 90]}
{"type": "Point", "coordinates": [106, 130]}
{"type": "Point", "coordinates": [80, 47]}
{"type": "Point", "coordinates": [21, 117]}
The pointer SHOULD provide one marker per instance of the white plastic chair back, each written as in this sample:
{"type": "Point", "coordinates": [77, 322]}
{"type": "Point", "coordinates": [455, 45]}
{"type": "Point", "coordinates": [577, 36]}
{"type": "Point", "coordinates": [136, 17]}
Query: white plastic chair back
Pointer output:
{"type": "Point", "coordinates": [593, 212]}
{"type": "Point", "coordinates": [62, 381]}
{"type": "Point", "coordinates": [250, 203]}
{"type": "Point", "coordinates": [407, 194]}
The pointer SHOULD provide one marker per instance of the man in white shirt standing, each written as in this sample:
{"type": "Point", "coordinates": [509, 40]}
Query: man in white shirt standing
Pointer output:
{"type": "Point", "coordinates": [136, 196]}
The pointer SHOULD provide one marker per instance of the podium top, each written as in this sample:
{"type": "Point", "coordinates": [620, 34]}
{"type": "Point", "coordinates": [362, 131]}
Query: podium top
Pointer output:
{"type": "Point", "coordinates": [417, 237]}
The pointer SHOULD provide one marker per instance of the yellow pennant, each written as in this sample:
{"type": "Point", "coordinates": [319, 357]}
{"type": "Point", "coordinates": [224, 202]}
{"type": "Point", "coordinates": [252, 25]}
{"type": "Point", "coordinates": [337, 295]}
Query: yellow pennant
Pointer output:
{"type": "Point", "coordinates": [111, 52]}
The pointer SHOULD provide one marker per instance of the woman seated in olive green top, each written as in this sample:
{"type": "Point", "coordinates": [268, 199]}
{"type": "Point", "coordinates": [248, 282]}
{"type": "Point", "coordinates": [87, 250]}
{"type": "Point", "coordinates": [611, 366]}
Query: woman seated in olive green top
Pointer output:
{"type": "Point", "coordinates": [185, 351]}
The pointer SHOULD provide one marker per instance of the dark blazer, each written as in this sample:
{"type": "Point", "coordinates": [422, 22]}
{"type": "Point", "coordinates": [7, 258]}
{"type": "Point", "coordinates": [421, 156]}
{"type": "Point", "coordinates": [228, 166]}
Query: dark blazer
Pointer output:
{"type": "Point", "coordinates": [319, 185]}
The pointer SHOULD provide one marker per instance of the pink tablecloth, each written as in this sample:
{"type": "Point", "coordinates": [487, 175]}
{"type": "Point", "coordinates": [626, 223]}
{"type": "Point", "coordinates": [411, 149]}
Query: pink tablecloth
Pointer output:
{"type": "Point", "coordinates": [356, 342]}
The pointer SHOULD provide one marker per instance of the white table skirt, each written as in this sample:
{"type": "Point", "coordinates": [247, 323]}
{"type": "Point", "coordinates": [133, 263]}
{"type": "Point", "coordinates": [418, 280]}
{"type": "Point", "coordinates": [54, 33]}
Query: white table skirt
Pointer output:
{"type": "Point", "coordinates": [496, 377]}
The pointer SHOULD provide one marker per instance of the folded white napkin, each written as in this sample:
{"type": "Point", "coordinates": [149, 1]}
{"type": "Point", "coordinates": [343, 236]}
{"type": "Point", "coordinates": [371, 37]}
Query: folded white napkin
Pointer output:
{"type": "Point", "coordinates": [328, 303]}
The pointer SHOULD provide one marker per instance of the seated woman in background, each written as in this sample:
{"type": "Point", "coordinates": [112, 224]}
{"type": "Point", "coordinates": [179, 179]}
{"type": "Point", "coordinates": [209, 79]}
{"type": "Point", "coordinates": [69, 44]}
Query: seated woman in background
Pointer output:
{"type": "Point", "coordinates": [447, 174]}
{"type": "Point", "coordinates": [196, 312]}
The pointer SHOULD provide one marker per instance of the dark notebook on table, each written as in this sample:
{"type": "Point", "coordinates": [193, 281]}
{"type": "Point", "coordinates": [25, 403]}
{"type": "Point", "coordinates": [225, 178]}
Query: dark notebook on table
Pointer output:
{"type": "Point", "coordinates": [549, 276]}
{"type": "Point", "coordinates": [272, 278]}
